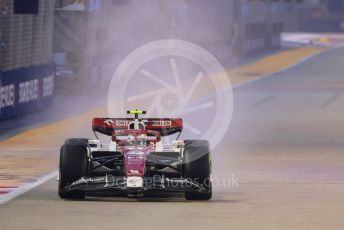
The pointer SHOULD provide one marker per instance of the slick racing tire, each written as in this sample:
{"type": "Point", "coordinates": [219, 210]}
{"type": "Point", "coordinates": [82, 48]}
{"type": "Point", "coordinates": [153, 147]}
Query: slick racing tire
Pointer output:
{"type": "Point", "coordinates": [77, 141]}
{"type": "Point", "coordinates": [73, 165]}
{"type": "Point", "coordinates": [197, 167]}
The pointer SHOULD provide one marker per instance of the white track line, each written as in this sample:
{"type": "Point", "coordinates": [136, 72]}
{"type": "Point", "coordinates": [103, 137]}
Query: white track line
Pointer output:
{"type": "Point", "coordinates": [25, 188]}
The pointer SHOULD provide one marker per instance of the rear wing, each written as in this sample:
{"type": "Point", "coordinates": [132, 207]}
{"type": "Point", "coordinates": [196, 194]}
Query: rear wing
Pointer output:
{"type": "Point", "coordinates": [165, 126]}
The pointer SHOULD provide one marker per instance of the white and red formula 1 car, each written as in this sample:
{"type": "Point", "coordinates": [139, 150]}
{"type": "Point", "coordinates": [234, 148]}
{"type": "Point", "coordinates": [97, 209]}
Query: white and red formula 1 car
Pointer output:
{"type": "Point", "coordinates": [135, 162]}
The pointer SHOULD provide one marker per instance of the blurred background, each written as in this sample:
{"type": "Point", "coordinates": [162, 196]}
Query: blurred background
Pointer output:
{"type": "Point", "coordinates": [51, 47]}
{"type": "Point", "coordinates": [284, 59]}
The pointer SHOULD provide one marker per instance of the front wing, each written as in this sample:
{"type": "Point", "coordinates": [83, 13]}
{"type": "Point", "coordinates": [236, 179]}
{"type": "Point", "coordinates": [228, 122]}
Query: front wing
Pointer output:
{"type": "Point", "coordinates": [111, 183]}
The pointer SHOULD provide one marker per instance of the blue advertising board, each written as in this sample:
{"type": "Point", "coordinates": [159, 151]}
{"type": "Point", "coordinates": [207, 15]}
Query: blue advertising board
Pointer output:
{"type": "Point", "coordinates": [26, 89]}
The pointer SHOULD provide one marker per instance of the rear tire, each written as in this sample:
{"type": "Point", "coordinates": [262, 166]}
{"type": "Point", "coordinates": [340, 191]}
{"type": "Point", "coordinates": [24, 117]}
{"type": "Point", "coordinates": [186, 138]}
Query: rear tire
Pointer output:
{"type": "Point", "coordinates": [73, 165]}
{"type": "Point", "coordinates": [197, 166]}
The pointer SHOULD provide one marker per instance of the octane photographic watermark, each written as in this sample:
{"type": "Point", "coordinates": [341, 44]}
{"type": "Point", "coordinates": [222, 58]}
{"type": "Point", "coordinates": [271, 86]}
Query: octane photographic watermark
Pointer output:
{"type": "Point", "coordinates": [175, 78]}
{"type": "Point", "coordinates": [231, 181]}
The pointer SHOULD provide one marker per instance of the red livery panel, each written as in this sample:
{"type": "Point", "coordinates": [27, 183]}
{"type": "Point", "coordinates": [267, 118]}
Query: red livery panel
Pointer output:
{"type": "Point", "coordinates": [165, 126]}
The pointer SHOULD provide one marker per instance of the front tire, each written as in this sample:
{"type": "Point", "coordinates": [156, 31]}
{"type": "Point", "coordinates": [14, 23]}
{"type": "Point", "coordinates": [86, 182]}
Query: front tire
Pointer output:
{"type": "Point", "coordinates": [77, 141]}
{"type": "Point", "coordinates": [73, 165]}
{"type": "Point", "coordinates": [197, 166]}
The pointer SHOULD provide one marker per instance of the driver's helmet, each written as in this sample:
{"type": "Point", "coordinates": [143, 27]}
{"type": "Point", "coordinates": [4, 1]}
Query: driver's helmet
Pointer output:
{"type": "Point", "coordinates": [132, 125]}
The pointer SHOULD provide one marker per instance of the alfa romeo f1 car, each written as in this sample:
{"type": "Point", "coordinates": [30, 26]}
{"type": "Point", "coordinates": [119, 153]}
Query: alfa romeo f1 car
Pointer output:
{"type": "Point", "coordinates": [135, 162]}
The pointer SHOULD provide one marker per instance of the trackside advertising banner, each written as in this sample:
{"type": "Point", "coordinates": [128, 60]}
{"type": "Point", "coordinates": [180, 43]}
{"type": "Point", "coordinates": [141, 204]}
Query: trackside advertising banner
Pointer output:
{"type": "Point", "coordinates": [26, 89]}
